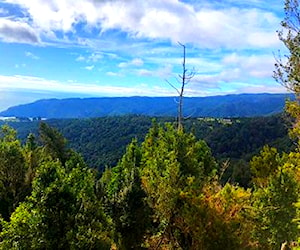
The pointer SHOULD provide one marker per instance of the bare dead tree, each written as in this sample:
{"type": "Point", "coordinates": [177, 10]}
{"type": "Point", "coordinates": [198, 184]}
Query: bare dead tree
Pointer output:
{"type": "Point", "coordinates": [183, 79]}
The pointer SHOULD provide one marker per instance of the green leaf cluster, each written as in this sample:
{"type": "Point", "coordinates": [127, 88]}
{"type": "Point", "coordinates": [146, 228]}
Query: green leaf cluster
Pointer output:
{"type": "Point", "coordinates": [60, 209]}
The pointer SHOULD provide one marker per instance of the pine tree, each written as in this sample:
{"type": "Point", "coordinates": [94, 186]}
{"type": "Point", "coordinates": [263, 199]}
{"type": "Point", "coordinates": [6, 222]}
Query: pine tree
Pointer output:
{"type": "Point", "coordinates": [173, 163]}
{"type": "Point", "coordinates": [12, 171]}
{"type": "Point", "coordinates": [125, 199]}
{"type": "Point", "coordinates": [275, 195]}
{"type": "Point", "coordinates": [61, 213]}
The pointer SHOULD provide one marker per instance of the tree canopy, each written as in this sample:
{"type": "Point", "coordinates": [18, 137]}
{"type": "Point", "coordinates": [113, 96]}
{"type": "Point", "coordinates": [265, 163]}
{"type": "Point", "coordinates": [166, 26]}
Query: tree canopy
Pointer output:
{"type": "Point", "coordinates": [165, 192]}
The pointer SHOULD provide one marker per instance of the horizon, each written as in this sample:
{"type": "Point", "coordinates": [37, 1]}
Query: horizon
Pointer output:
{"type": "Point", "coordinates": [99, 97]}
{"type": "Point", "coordinates": [116, 49]}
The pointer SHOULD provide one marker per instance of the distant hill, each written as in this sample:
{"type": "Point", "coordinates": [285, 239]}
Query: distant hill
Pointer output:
{"type": "Point", "coordinates": [242, 105]}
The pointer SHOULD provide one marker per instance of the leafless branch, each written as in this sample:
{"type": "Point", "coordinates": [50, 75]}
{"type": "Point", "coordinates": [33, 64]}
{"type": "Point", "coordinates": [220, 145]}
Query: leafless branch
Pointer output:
{"type": "Point", "coordinates": [182, 79]}
{"type": "Point", "coordinates": [173, 86]}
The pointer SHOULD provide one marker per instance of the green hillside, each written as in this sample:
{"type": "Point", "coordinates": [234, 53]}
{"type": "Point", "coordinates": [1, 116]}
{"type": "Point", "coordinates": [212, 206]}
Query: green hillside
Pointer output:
{"type": "Point", "coordinates": [242, 105]}
{"type": "Point", "coordinates": [102, 141]}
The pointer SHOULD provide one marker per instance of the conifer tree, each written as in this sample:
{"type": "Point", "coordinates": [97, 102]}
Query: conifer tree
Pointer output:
{"type": "Point", "coordinates": [173, 163]}
{"type": "Point", "coordinates": [12, 171]}
{"type": "Point", "coordinates": [61, 213]}
{"type": "Point", "coordinates": [274, 199]}
{"type": "Point", "coordinates": [125, 199]}
{"type": "Point", "coordinates": [53, 142]}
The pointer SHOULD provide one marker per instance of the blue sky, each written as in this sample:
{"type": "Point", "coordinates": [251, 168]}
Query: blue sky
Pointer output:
{"type": "Point", "coordinates": [90, 48]}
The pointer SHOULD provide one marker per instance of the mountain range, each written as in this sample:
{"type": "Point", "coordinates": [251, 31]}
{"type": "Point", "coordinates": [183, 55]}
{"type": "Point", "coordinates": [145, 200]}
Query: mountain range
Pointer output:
{"type": "Point", "coordinates": [240, 105]}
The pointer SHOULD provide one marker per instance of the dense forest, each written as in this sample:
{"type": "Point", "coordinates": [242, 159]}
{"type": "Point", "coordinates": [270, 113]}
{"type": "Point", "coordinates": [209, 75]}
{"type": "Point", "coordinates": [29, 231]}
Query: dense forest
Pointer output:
{"type": "Point", "coordinates": [203, 184]}
{"type": "Point", "coordinates": [164, 193]}
{"type": "Point", "coordinates": [102, 141]}
{"type": "Point", "coordinates": [239, 105]}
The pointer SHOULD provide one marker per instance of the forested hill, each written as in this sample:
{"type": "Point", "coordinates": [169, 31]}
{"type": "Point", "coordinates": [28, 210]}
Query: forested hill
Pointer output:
{"type": "Point", "coordinates": [242, 105]}
{"type": "Point", "coordinates": [102, 141]}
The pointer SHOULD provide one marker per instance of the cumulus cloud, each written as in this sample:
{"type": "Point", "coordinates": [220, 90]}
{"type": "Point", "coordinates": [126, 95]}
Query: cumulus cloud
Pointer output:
{"type": "Point", "coordinates": [143, 30]}
{"type": "Point", "coordinates": [207, 26]}
{"type": "Point", "coordinates": [236, 67]}
{"type": "Point", "coordinates": [259, 66]}
{"type": "Point", "coordinates": [18, 32]}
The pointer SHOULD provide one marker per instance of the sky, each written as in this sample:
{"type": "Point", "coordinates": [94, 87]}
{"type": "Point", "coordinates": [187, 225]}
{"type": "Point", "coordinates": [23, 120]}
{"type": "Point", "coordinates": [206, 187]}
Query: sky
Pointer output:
{"type": "Point", "coordinates": [95, 48]}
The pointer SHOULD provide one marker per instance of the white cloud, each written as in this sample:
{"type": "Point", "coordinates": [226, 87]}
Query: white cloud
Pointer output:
{"type": "Point", "coordinates": [199, 63]}
{"type": "Point", "coordinates": [260, 88]}
{"type": "Point", "coordinates": [93, 57]}
{"type": "Point", "coordinates": [23, 65]}
{"type": "Point", "coordinates": [80, 58]}
{"type": "Point", "coordinates": [31, 55]}
{"type": "Point", "coordinates": [90, 67]}
{"type": "Point", "coordinates": [262, 39]}
{"type": "Point", "coordinates": [259, 66]}
{"type": "Point", "coordinates": [236, 67]}
{"type": "Point", "coordinates": [138, 62]}
{"type": "Point", "coordinates": [207, 26]}
{"type": "Point", "coordinates": [144, 72]}
{"type": "Point", "coordinates": [123, 65]}
{"type": "Point", "coordinates": [44, 88]}
{"type": "Point", "coordinates": [17, 32]}
{"type": "Point", "coordinates": [110, 73]}
{"type": "Point", "coordinates": [3, 11]}
{"type": "Point", "coordinates": [35, 84]}
{"type": "Point", "coordinates": [162, 72]}
{"type": "Point", "coordinates": [236, 89]}
{"type": "Point", "coordinates": [143, 29]}
{"type": "Point", "coordinates": [165, 72]}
